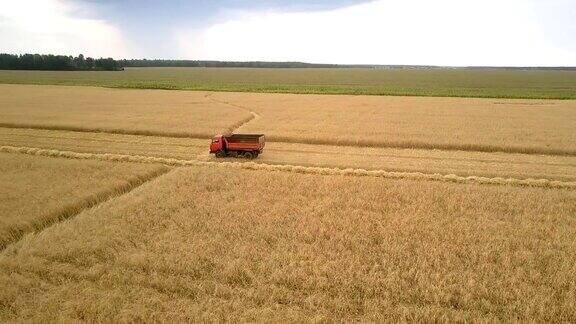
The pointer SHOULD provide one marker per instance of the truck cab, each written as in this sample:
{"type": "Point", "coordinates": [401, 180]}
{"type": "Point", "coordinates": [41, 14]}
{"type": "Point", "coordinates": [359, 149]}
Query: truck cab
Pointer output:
{"type": "Point", "coordinates": [217, 144]}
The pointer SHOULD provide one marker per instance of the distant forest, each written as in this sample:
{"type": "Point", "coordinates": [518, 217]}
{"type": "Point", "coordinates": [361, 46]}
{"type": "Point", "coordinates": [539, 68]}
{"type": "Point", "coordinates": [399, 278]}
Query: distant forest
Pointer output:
{"type": "Point", "coordinates": [81, 63]}
{"type": "Point", "coordinates": [195, 63]}
{"type": "Point", "coordinates": [56, 63]}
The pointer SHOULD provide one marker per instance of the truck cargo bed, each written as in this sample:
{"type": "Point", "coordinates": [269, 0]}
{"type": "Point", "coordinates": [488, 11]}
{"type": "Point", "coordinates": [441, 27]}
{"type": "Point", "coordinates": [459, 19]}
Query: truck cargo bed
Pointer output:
{"type": "Point", "coordinates": [245, 138]}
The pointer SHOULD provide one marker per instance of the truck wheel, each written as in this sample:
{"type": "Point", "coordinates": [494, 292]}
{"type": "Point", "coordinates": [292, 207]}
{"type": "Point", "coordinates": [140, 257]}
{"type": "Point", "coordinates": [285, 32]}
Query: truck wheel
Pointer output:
{"type": "Point", "coordinates": [256, 154]}
{"type": "Point", "coordinates": [220, 154]}
{"type": "Point", "coordinates": [248, 155]}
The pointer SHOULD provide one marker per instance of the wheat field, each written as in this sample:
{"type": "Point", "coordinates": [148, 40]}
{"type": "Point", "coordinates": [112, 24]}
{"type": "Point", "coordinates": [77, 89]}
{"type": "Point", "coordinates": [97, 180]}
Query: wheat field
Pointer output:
{"type": "Point", "coordinates": [87, 142]}
{"type": "Point", "coordinates": [360, 209]}
{"type": "Point", "coordinates": [140, 112]}
{"type": "Point", "coordinates": [316, 248]}
{"type": "Point", "coordinates": [518, 126]}
{"type": "Point", "coordinates": [461, 163]}
{"type": "Point", "coordinates": [37, 191]}
{"type": "Point", "coordinates": [488, 125]}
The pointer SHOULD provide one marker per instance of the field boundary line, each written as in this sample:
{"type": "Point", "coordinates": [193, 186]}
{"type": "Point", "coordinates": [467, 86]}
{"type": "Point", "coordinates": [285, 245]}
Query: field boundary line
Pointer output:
{"type": "Point", "coordinates": [317, 89]}
{"type": "Point", "coordinates": [290, 140]}
{"type": "Point", "coordinates": [542, 183]}
{"type": "Point", "coordinates": [104, 130]}
{"type": "Point", "coordinates": [425, 146]}
{"type": "Point", "coordinates": [71, 210]}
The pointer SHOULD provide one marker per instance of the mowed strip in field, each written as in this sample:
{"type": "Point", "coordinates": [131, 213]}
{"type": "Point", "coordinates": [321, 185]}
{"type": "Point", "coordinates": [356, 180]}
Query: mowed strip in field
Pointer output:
{"type": "Point", "coordinates": [461, 163]}
{"type": "Point", "coordinates": [38, 191]}
{"type": "Point", "coordinates": [145, 112]}
{"type": "Point", "coordinates": [88, 142]}
{"type": "Point", "coordinates": [488, 125]}
{"type": "Point", "coordinates": [301, 247]}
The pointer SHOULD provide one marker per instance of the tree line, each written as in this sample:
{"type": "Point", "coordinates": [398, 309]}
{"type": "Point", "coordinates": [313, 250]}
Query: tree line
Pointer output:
{"type": "Point", "coordinates": [56, 63]}
{"type": "Point", "coordinates": [81, 63]}
{"type": "Point", "coordinates": [200, 63]}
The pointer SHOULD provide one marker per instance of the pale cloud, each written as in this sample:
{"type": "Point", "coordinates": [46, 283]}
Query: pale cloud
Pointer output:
{"type": "Point", "coordinates": [53, 26]}
{"type": "Point", "coordinates": [441, 32]}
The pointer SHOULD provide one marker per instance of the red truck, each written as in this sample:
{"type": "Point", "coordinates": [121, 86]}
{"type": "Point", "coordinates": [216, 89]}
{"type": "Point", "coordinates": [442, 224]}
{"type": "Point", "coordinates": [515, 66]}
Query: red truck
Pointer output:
{"type": "Point", "coordinates": [235, 145]}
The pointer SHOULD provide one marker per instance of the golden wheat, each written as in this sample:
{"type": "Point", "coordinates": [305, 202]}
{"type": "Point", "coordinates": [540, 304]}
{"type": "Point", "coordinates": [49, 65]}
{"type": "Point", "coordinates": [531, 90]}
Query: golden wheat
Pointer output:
{"type": "Point", "coordinates": [490, 165]}
{"type": "Point", "coordinates": [214, 244]}
{"type": "Point", "coordinates": [38, 191]}
{"type": "Point", "coordinates": [463, 163]}
{"type": "Point", "coordinates": [180, 148]}
{"type": "Point", "coordinates": [139, 112]}
{"type": "Point", "coordinates": [547, 183]}
{"type": "Point", "coordinates": [490, 125]}
{"type": "Point", "coordinates": [372, 225]}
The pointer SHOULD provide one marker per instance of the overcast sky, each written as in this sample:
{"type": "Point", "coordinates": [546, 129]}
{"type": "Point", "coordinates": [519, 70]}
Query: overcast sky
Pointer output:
{"type": "Point", "coordinates": [439, 32]}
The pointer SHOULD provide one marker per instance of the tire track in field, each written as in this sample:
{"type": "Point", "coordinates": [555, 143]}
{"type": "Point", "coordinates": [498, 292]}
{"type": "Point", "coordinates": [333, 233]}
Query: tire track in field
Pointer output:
{"type": "Point", "coordinates": [69, 211]}
{"type": "Point", "coordinates": [240, 124]}
{"type": "Point", "coordinates": [543, 183]}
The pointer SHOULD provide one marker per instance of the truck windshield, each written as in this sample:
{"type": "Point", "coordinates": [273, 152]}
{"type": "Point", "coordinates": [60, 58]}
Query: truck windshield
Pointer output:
{"type": "Point", "coordinates": [215, 140]}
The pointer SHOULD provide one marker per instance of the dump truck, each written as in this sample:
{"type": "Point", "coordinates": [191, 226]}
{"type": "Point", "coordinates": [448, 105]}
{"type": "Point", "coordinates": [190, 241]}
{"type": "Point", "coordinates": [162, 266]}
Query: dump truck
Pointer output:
{"type": "Point", "coordinates": [237, 145]}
